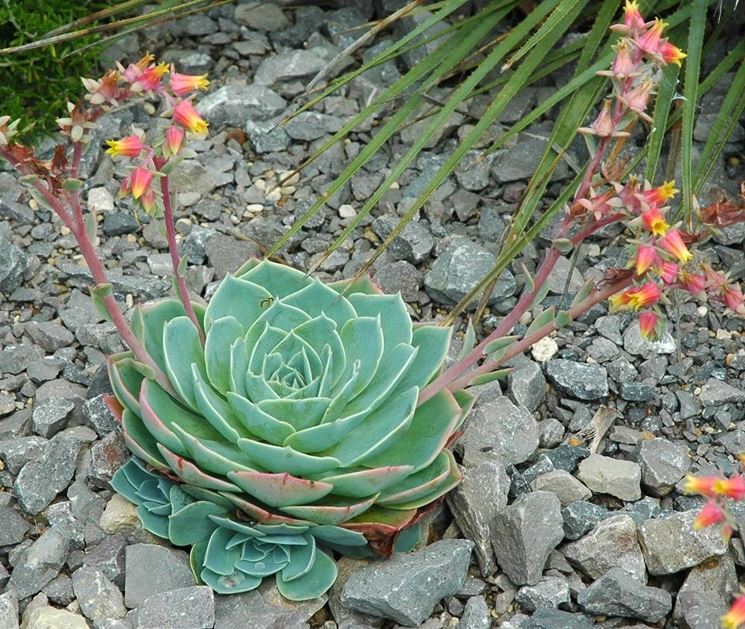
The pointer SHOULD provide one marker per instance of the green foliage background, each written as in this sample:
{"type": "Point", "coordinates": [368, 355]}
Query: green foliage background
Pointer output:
{"type": "Point", "coordinates": [35, 85]}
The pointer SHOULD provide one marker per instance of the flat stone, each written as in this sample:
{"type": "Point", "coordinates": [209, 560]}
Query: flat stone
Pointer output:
{"type": "Point", "coordinates": [605, 475]}
{"type": "Point", "coordinates": [663, 464]}
{"type": "Point", "coordinates": [42, 478]}
{"type": "Point", "coordinates": [499, 431]}
{"type": "Point", "coordinates": [462, 265]}
{"type": "Point", "coordinates": [557, 280]}
{"type": "Point", "coordinates": [184, 608]}
{"type": "Point", "coordinates": [719, 392]}
{"type": "Point", "coordinates": [97, 596]}
{"type": "Point", "coordinates": [13, 264]}
{"type": "Point", "coordinates": [527, 385]}
{"type": "Point", "coordinates": [556, 619]}
{"type": "Point", "coordinates": [108, 556]}
{"type": "Point", "coordinates": [51, 416]}
{"type": "Point", "coordinates": [563, 484]}
{"type": "Point", "coordinates": [671, 544]}
{"type": "Point", "coordinates": [15, 359]}
{"type": "Point", "coordinates": [48, 335]}
{"type": "Point", "coordinates": [152, 569]}
{"type": "Point", "coordinates": [311, 125]}
{"type": "Point", "coordinates": [406, 587]}
{"type": "Point", "coordinates": [582, 381]}
{"type": "Point", "coordinates": [226, 254]}
{"type": "Point", "coordinates": [264, 17]}
{"type": "Point", "coordinates": [618, 594]}
{"type": "Point", "coordinates": [59, 590]}
{"type": "Point", "coordinates": [475, 502]}
{"type": "Point", "coordinates": [525, 533]}
{"type": "Point", "coordinates": [288, 65]}
{"type": "Point", "coordinates": [519, 161]}
{"type": "Point", "coordinates": [9, 610]}
{"type": "Point", "coordinates": [548, 592]}
{"type": "Point", "coordinates": [119, 224]}
{"type": "Point", "coordinates": [634, 343]}
{"type": "Point", "coordinates": [41, 561]}
{"type": "Point", "coordinates": [14, 526]}
{"type": "Point", "coordinates": [266, 136]}
{"type": "Point", "coordinates": [611, 544]}
{"type": "Point", "coordinates": [413, 244]}
{"type": "Point", "coordinates": [119, 514]}
{"type": "Point", "coordinates": [52, 618]}
{"type": "Point", "coordinates": [581, 517]}
{"type": "Point", "coordinates": [18, 451]}
{"type": "Point", "coordinates": [107, 456]}
{"type": "Point", "coordinates": [233, 105]}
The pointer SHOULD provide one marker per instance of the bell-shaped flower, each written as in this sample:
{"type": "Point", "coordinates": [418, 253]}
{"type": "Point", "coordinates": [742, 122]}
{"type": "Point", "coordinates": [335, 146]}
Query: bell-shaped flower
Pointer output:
{"type": "Point", "coordinates": [646, 258]}
{"type": "Point", "coordinates": [183, 84]}
{"type": "Point", "coordinates": [669, 272]}
{"type": "Point", "coordinates": [671, 53]}
{"type": "Point", "coordinates": [139, 181]}
{"type": "Point", "coordinates": [656, 197]}
{"type": "Point", "coordinates": [735, 617]}
{"type": "Point", "coordinates": [131, 146]}
{"type": "Point", "coordinates": [638, 97]}
{"type": "Point", "coordinates": [174, 140]}
{"type": "Point", "coordinates": [694, 283]}
{"type": "Point", "coordinates": [654, 222]}
{"type": "Point", "coordinates": [701, 485]}
{"type": "Point", "coordinates": [636, 298]}
{"type": "Point", "coordinates": [673, 243]}
{"type": "Point", "coordinates": [185, 115]}
{"type": "Point", "coordinates": [733, 487]}
{"type": "Point", "coordinates": [632, 17]}
{"type": "Point", "coordinates": [625, 63]}
{"type": "Point", "coordinates": [648, 325]}
{"type": "Point", "coordinates": [733, 298]}
{"type": "Point", "coordinates": [711, 514]}
{"type": "Point", "coordinates": [650, 41]}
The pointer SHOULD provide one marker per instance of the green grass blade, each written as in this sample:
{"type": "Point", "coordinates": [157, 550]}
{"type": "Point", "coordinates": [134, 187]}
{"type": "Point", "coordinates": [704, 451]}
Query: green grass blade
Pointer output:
{"type": "Point", "coordinates": [663, 102]}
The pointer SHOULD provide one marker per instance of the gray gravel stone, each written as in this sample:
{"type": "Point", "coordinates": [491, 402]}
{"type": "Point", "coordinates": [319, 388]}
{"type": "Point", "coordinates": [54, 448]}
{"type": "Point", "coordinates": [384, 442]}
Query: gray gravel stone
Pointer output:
{"type": "Point", "coordinates": [618, 594]}
{"type": "Point", "coordinates": [548, 592]}
{"type": "Point", "coordinates": [13, 264]}
{"type": "Point", "coordinates": [413, 244]}
{"type": "Point", "coordinates": [582, 381]}
{"type": "Point", "coordinates": [59, 590]}
{"type": "Point", "coordinates": [47, 617]}
{"type": "Point", "coordinates": [16, 358]}
{"type": "Point", "coordinates": [288, 65]}
{"type": "Point", "coordinates": [499, 431]}
{"type": "Point", "coordinates": [552, 432]}
{"type": "Point", "coordinates": [311, 125]}
{"type": "Point", "coordinates": [98, 597]}
{"type": "Point", "coordinates": [606, 475]}
{"type": "Point", "coordinates": [14, 525]}
{"type": "Point", "coordinates": [461, 266]}
{"type": "Point", "coordinates": [119, 224]}
{"type": "Point", "coordinates": [475, 615]}
{"type": "Point", "coordinates": [527, 385]}
{"type": "Point", "coordinates": [671, 544]}
{"type": "Point", "coordinates": [42, 478]}
{"type": "Point", "coordinates": [264, 17]}
{"type": "Point", "coordinates": [525, 533]}
{"type": "Point", "coordinates": [50, 416]}
{"type": "Point", "coordinates": [718, 392]}
{"type": "Point", "coordinates": [48, 335]}
{"type": "Point", "coordinates": [474, 504]}
{"type": "Point", "coordinates": [611, 544]}
{"type": "Point", "coordinates": [556, 619]}
{"type": "Point", "coordinates": [99, 416]}
{"type": "Point", "coordinates": [563, 484]}
{"type": "Point", "coordinates": [233, 105]}
{"type": "Point", "coordinates": [41, 561]}
{"type": "Point", "coordinates": [706, 593]}
{"type": "Point", "coordinates": [634, 343]}
{"type": "Point", "coordinates": [9, 610]}
{"type": "Point", "coordinates": [663, 464]}
{"type": "Point", "coordinates": [266, 136]}
{"type": "Point", "coordinates": [406, 587]}
{"type": "Point", "coordinates": [519, 161]}
{"type": "Point", "coordinates": [18, 451]}
{"type": "Point", "coordinates": [152, 569]}
{"type": "Point", "coordinates": [581, 517]}
{"type": "Point", "coordinates": [184, 608]}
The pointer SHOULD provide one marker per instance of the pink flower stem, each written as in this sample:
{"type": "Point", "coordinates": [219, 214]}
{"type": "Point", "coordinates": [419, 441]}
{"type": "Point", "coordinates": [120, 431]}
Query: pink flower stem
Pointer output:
{"type": "Point", "coordinates": [183, 291]}
{"type": "Point", "coordinates": [77, 154]}
{"type": "Point", "coordinates": [526, 342]}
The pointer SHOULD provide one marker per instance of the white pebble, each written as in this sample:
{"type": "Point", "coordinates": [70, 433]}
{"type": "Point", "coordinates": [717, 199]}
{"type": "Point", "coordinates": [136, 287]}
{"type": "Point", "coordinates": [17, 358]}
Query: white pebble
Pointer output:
{"type": "Point", "coordinates": [544, 350]}
{"type": "Point", "coordinates": [347, 211]}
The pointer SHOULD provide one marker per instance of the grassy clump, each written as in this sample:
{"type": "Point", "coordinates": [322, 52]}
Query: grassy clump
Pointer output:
{"type": "Point", "coordinates": [35, 85]}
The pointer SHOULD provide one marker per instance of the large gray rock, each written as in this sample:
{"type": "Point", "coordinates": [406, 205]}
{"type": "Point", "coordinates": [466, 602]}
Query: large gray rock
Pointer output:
{"type": "Point", "coordinates": [288, 65]}
{"type": "Point", "coordinates": [663, 464]}
{"type": "Point", "coordinates": [50, 416]}
{"type": "Point", "coordinates": [611, 544]}
{"type": "Point", "coordinates": [461, 266]}
{"type": "Point", "coordinates": [499, 431]}
{"type": "Point", "coordinates": [634, 343]}
{"type": "Point", "coordinates": [48, 335]}
{"type": "Point", "coordinates": [42, 478]}
{"type": "Point", "coordinates": [582, 381]}
{"type": "Point", "coordinates": [264, 17]}
{"type": "Point", "coordinates": [413, 244]}
{"type": "Point", "coordinates": [151, 569]}
{"type": "Point", "coordinates": [563, 484]}
{"type": "Point", "coordinates": [706, 594]}
{"type": "Point", "coordinates": [527, 385]}
{"type": "Point", "coordinates": [406, 587]}
{"type": "Point", "coordinates": [581, 517]}
{"type": "Point", "coordinates": [184, 608]}
{"type": "Point", "coordinates": [525, 533]}
{"type": "Point", "coordinates": [719, 392]}
{"type": "Point", "coordinates": [9, 610]}
{"type": "Point", "coordinates": [47, 617]}
{"type": "Point", "coordinates": [233, 105]}
{"type": "Point", "coordinates": [14, 525]}
{"type": "Point", "coordinates": [671, 544]}
{"type": "Point", "coordinates": [474, 504]}
{"type": "Point", "coordinates": [97, 596]}
{"type": "Point", "coordinates": [548, 592]}
{"type": "Point", "coordinates": [41, 562]}
{"type": "Point", "coordinates": [618, 594]}
{"type": "Point", "coordinates": [605, 475]}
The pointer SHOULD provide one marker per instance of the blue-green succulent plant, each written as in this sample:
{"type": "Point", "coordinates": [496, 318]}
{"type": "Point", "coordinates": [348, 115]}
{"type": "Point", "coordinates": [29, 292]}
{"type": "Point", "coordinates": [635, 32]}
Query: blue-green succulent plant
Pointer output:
{"type": "Point", "coordinates": [301, 406]}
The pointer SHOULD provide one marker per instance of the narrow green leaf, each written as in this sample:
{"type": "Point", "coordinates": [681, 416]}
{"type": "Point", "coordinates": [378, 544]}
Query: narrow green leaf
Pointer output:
{"type": "Point", "coordinates": [583, 292]}
{"type": "Point", "coordinates": [499, 344]}
{"type": "Point", "coordinates": [99, 293]}
{"type": "Point", "coordinates": [563, 245]}
{"type": "Point", "coordinates": [663, 101]}
{"type": "Point", "coordinates": [491, 376]}
{"type": "Point", "coordinates": [563, 319]}
{"type": "Point", "coordinates": [546, 317]}
{"type": "Point", "coordinates": [529, 281]}
{"type": "Point", "coordinates": [468, 340]}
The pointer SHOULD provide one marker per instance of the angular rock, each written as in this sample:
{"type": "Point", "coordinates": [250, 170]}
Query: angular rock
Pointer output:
{"type": "Point", "coordinates": [634, 343]}
{"type": "Point", "coordinates": [461, 266]}
{"type": "Point", "coordinates": [119, 514]}
{"type": "Point", "coordinates": [582, 381]}
{"type": "Point", "coordinates": [41, 561]}
{"type": "Point", "coordinates": [98, 415]}
{"type": "Point", "coordinates": [184, 608]}
{"type": "Point", "coordinates": [108, 556]}
{"type": "Point", "coordinates": [47, 617]}
{"type": "Point", "coordinates": [525, 533]}
{"type": "Point", "coordinates": [233, 105]}
{"type": "Point", "coordinates": [499, 431]}
{"type": "Point", "coordinates": [706, 593]}
{"type": "Point", "coordinates": [288, 65]}
{"type": "Point", "coordinates": [48, 335]}
{"type": "Point", "coordinates": [671, 544]}
{"type": "Point", "coordinates": [13, 264]}
{"type": "Point", "coordinates": [413, 244]}
{"type": "Point", "coordinates": [98, 597]}
{"type": "Point", "coordinates": [563, 484]}
{"type": "Point", "coordinates": [611, 544]}
{"type": "Point", "coordinates": [556, 619]}
{"type": "Point", "coordinates": [107, 456]}
{"type": "Point", "coordinates": [719, 392]}
{"type": "Point", "coordinates": [9, 610]}
{"type": "Point", "coordinates": [618, 594]}
{"type": "Point", "coordinates": [311, 125]}
{"type": "Point", "coordinates": [527, 385]}
{"type": "Point", "coordinates": [605, 475]}
{"type": "Point", "coordinates": [152, 569]}
{"type": "Point", "coordinates": [581, 517]}
{"type": "Point", "coordinates": [14, 526]}
{"type": "Point", "coordinates": [663, 464]}
{"type": "Point", "coordinates": [266, 136]}
{"type": "Point", "coordinates": [476, 614]}
{"type": "Point", "coordinates": [406, 587]}
{"type": "Point", "coordinates": [50, 416]}
{"type": "Point", "coordinates": [548, 592]}
{"type": "Point", "coordinates": [474, 504]}
{"type": "Point", "coordinates": [264, 17]}
{"type": "Point", "coordinates": [344, 616]}
{"type": "Point", "coordinates": [42, 478]}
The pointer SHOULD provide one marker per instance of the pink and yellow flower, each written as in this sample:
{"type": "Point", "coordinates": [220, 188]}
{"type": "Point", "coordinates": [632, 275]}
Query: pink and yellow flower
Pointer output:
{"type": "Point", "coordinates": [636, 298]}
{"type": "Point", "coordinates": [733, 487]}
{"type": "Point", "coordinates": [702, 485]}
{"type": "Point", "coordinates": [648, 321]}
{"type": "Point", "coordinates": [657, 197]}
{"type": "Point", "coordinates": [650, 41]}
{"type": "Point", "coordinates": [673, 243]}
{"type": "Point", "coordinates": [624, 63]}
{"type": "Point", "coordinates": [646, 257]}
{"type": "Point", "coordinates": [711, 514]}
{"type": "Point", "coordinates": [637, 98]}
{"type": "Point", "coordinates": [669, 272]}
{"type": "Point", "coordinates": [735, 617]}
{"type": "Point", "coordinates": [632, 17]}
{"type": "Point", "coordinates": [694, 283]}
{"type": "Point", "coordinates": [654, 222]}
{"type": "Point", "coordinates": [174, 140]}
{"type": "Point", "coordinates": [148, 200]}
{"type": "Point", "coordinates": [150, 78]}
{"type": "Point", "coordinates": [139, 181]}
{"type": "Point", "coordinates": [183, 84]}
{"type": "Point", "coordinates": [185, 114]}
{"type": "Point", "coordinates": [671, 53]}
{"type": "Point", "coordinates": [131, 146]}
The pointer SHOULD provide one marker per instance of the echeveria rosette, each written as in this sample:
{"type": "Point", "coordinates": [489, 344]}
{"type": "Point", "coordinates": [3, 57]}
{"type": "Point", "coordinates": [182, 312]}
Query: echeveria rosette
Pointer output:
{"type": "Point", "coordinates": [302, 406]}
{"type": "Point", "coordinates": [229, 555]}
